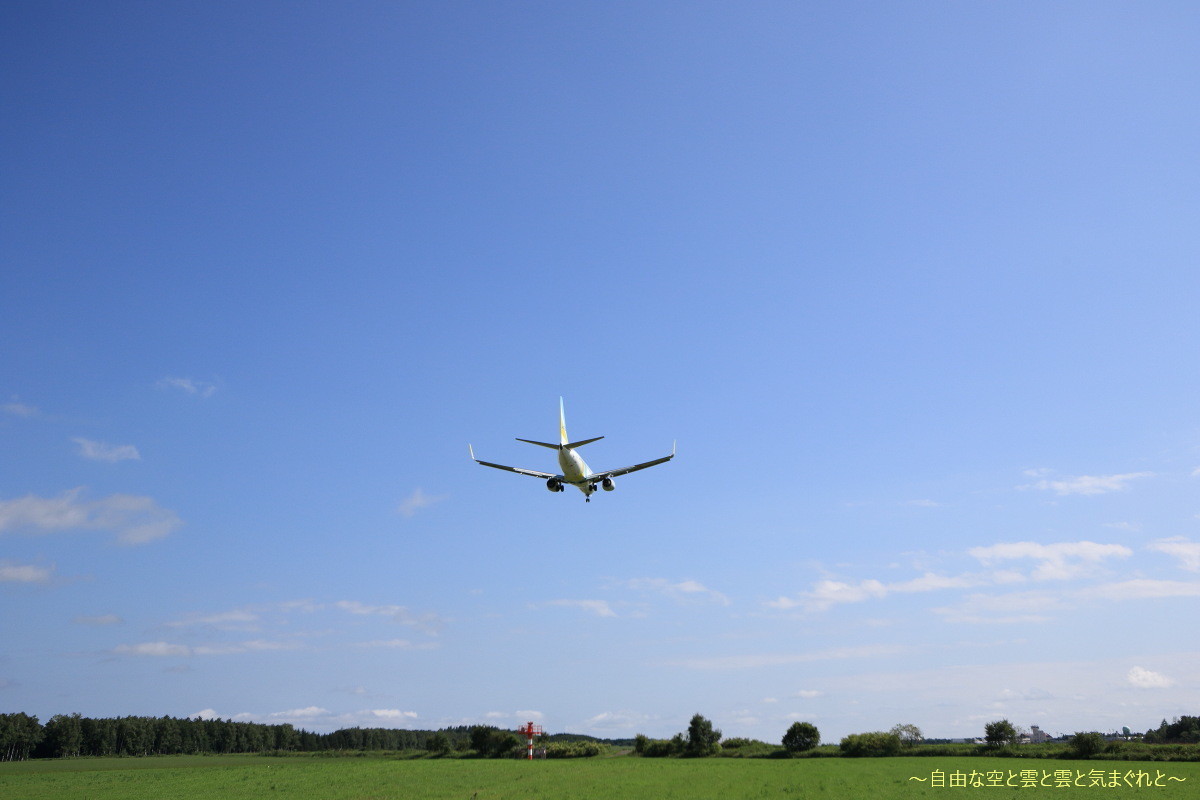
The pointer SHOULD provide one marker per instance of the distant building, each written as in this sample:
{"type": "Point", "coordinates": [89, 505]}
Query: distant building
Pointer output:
{"type": "Point", "coordinates": [1037, 735]}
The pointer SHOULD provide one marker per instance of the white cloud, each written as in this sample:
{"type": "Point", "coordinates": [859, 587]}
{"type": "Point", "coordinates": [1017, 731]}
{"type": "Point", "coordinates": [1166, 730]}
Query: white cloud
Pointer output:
{"type": "Point", "coordinates": [238, 619]}
{"type": "Point", "coordinates": [1142, 588]}
{"type": "Point", "coordinates": [252, 646]}
{"type": "Point", "coordinates": [1145, 679]}
{"type": "Point", "coordinates": [171, 650]}
{"type": "Point", "coordinates": [809, 694]}
{"type": "Point", "coordinates": [155, 649]}
{"type": "Point", "coordinates": [429, 622]}
{"type": "Point", "coordinates": [827, 593]}
{"type": "Point", "coordinates": [301, 713]}
{"type": "Point", "coordinates": [17, 409]}
{"type": "Point", "coordinates": [1058, 561]}
{"type": "Point", "coordinates": [417, 501]}
{"type": "Point", "coordinates": [393, 714]}
{"type": "Point", "coordinates": [189, 386]}
{"type": "Point", "coordinates": [1085, 484]}
{"type": "Point", "coordinates": [678, 590]}
{"type": "Point", "coordinates": [1186, 551]}
{"type": "Point", "coordinates": [24, 573]}
{"type": "Point", "coordinates": [134, 519]}
{"type": "Point", "coordinates": [598, 607]}
{"type": "Point", "coordinates": [100, 451]}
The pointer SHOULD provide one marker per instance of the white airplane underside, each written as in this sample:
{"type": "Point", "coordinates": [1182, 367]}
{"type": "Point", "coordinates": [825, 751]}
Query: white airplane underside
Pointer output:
{"type": "Point", "coordinates": [575, 471]}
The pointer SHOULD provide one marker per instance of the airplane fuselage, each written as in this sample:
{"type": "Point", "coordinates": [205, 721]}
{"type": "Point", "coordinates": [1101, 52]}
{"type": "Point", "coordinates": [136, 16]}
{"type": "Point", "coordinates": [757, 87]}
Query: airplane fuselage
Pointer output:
{"type": "Point", "coordinates": [575, 470]}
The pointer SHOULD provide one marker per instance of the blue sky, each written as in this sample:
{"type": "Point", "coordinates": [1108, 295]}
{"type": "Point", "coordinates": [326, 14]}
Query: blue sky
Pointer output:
{"type": "Point", "coordinates": [914, 286]}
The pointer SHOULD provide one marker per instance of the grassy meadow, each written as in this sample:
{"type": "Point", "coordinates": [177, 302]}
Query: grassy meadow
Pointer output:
{"type": "Point", "coordinates": [245, 777]}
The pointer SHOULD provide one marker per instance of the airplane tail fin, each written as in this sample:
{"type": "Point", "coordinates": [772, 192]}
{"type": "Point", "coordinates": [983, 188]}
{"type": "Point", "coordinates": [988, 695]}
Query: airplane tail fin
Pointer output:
{"type": "Point", "coordinates": [563, 443]}
{"type": "Point", "coordinates": [562, 423]}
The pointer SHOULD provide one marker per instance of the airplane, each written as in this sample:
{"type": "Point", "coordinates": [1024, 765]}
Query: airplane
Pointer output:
{"type": "Point", "coordinates": [574, 471]}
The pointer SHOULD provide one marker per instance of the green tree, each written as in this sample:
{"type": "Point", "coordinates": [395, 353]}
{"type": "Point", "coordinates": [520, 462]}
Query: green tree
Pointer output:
{"type": "Point", "coordinates": [909, 734]}
{"type": "Point", "coordinates": [702, 738]}
{"type": "Point", "coordinates": [999, 733]}
{"type": "Point", "coordinates": [1086, 745]}
{"type": "Point", "coordinates": [64, 736]}
{"type": "Point", "coordinates": [19, 735]}
{"type": "Point", "coordinates": [490, 742]}
{"type": "Point", "coordinates": [801, 736]}
{"type": "Point", "coordinates": [438, 743]}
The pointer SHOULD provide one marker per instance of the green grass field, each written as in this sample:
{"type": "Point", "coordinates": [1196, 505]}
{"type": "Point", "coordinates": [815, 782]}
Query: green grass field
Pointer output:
{"type": "Point", "coordinates": [238, 777]}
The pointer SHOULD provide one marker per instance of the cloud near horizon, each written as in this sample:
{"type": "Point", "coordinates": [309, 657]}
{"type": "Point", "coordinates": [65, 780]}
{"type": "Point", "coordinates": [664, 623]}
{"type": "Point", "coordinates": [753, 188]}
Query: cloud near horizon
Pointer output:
{"type": "Point", "coordinates": [135, 519]}
{"type": "Point", "coordinates": [1083, 484]}
{"type": "Point", "coordinates": [100, 451]}
{"type": "Point", "coordinates": [1059, 561]}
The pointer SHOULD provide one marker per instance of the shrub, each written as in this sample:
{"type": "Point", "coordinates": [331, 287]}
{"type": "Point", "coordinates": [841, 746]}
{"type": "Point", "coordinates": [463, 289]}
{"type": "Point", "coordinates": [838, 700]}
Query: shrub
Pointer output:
{"type": "Point", "coordinates": [875, 743]}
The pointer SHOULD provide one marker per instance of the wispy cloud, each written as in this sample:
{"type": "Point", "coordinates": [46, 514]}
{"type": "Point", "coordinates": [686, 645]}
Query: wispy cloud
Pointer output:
{"type": "Point", "coordinates": [17, 409]}
{"type": "Point", "coordinates": [99, 451]}
{"type": "Point", "coordinates": [190, 386]}
{"type": "Point", "coordinates": [1141, 589]}
{"type": "Point", "coordinates": [134, 519]}
{"type": "Point", "coordinates": [24, 573]}
{"type": "Point", "coordinates": [600, 608]}
{"type": "Point", "coordinates": [240, 619]}
{"type": "Point", "coordinates": [1058, 561]}
{"type": "Point", "coordinates": [417, 501]}
{"type": "Point", "coordinates": [677, 590]}
{"type": "Point", "coordinates": [161, 649]}
{"type": "Point", "coordinates": [828, 593]}
{"type": "Point", "coordinates": [395, 644]}
{"type": "Point", "coordinates": [428, 622]}
{"type": "Point", "coordinates": [1083, 484]}
{"type": "Point", "coordinates": [1002, 609]}
{"type": "Point", "coordinates": [1188, 552]}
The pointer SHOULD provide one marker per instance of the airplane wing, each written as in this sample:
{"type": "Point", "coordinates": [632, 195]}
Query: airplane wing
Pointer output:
{"type": "Point", "coordinates": [531, 472]}
{"type": "Point", "coordinates": [612, 473]}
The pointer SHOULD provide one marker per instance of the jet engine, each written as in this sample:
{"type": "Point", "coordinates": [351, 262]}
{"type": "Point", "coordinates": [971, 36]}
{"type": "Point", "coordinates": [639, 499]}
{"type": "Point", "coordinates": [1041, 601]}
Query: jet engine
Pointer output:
{"type": "Point", "coordinates": [554, 485]}
{"type": "Point", "coordinates": [608, 484]}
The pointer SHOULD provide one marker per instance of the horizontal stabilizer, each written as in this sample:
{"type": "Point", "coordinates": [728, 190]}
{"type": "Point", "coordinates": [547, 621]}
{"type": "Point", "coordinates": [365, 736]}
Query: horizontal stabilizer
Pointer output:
{"type": "Point", "coordinates": [573, 445]}
{"type": "Point", "coordinates": [540, 444]}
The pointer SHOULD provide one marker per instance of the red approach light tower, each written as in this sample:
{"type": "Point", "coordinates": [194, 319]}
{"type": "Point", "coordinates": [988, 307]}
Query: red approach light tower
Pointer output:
{"type": "Point", "coordinates": [530, 730]}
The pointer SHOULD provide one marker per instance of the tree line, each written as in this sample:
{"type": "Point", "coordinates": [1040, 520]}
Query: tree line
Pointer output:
{"type": "Point", "coordinates": [70, 735]}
